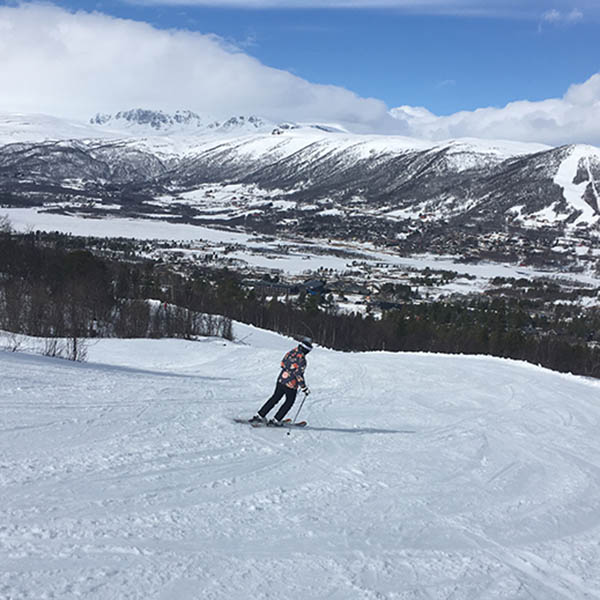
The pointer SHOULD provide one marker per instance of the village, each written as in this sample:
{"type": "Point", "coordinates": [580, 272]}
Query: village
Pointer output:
{"type": "Point", "coordinates": [350, 277]}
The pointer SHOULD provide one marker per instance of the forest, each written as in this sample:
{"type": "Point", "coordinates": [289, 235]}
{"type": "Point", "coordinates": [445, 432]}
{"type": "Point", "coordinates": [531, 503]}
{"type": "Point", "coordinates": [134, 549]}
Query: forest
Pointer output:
{"type": "Point", "coordinates": [52, 287]}
{"type": "Point", "coordinates": [49, 290]}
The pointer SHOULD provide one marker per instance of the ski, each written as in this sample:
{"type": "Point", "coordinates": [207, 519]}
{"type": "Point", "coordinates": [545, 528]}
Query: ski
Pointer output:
{"type": "Point", "coordinates": [296, 424]}
{"type": "Point", "coordinates": [287, 423]}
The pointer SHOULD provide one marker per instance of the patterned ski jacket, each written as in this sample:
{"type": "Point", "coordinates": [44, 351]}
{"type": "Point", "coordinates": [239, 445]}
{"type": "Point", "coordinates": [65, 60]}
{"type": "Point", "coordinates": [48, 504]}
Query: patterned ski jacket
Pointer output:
{"type": "Point", "coordinates": [292, 369]}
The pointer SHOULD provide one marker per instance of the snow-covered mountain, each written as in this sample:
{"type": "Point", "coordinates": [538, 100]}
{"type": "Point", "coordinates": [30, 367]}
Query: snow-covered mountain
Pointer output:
{"type": "Point", "coordinates": [144, 122]}
{"type": "Point", "coordinates": [183, 125]}
{"type": "Point", "coordinates": [387, 186]}
{"type": "Point", "coordinates": [457, 477]}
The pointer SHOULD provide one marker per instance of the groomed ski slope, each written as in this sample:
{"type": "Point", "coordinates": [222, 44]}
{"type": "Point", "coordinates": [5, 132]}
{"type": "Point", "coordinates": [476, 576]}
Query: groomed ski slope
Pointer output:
{"type": "Point", "coordinates": [420, 477]}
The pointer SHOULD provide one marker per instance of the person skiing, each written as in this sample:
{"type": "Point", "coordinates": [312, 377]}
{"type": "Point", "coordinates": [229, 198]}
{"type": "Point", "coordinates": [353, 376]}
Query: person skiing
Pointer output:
{"type": "Point", "coordinates": [291, 377]}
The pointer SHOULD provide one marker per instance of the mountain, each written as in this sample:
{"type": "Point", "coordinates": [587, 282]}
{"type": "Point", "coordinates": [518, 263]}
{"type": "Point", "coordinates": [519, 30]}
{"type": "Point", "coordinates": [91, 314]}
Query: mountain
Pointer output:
{"type": "Point", "coordinates": [326, 182]}
{"type": "Point", "coordinates": [142, 121]}
{"type": "Point", "coordinates": [139, 122]}
{"type": "Point", "coordinates": [458, 477]}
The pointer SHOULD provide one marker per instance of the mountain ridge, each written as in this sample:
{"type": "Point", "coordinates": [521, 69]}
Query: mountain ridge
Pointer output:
{"type": "Point", "coordinates": [389, 189]}
{"type": "Point", "coordinates": [185, 121]}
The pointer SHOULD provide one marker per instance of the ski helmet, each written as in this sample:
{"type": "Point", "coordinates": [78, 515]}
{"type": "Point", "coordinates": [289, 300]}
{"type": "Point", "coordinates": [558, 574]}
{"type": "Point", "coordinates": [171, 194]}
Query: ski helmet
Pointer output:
{"type": "Point", "coordinates": [305, 344]}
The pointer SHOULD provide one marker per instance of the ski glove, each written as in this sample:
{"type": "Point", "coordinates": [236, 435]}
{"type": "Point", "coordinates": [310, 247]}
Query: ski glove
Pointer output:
{"type": "Point", "coordinates": [305, 390]}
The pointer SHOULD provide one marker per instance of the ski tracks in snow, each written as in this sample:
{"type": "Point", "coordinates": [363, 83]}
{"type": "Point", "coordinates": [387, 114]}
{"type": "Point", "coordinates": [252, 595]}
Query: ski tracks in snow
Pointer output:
{"type": "Point", "coordinates": [419, 477]}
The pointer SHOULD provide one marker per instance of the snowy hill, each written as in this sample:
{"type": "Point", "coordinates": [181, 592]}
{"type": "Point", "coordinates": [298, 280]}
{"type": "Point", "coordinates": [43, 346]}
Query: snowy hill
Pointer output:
{"type": "Point", "coordinates": [19, 127]}
{"type": "Point", "coordinates": [420, 476]}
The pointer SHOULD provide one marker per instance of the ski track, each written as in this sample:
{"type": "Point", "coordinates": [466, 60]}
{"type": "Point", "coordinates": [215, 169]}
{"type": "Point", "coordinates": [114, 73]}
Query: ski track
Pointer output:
{"type": "Point", "coordinates": [419, 477]}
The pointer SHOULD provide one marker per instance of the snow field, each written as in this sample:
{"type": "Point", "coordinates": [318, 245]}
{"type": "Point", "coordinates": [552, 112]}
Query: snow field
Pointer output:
{"type": "Point", "coordinates": [419, 477]}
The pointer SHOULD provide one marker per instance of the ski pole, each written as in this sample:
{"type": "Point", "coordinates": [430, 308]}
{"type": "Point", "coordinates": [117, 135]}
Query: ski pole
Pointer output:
{"type": "Point", "coordinates": [299, 409]}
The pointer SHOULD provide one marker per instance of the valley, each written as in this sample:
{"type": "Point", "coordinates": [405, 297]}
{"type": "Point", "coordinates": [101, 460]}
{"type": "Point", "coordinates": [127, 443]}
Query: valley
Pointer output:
{"type": "Point", "coordinates": [376, 223]}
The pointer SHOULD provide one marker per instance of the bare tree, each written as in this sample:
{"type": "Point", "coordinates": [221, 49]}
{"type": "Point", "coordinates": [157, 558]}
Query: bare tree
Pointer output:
{"type": "Point", "coordinates": [77, 348]}
{"type": "Point", "coordinates": [5, 224]}
{"type": "Point", "coordinates": [12, 342]}
{"type": "Point", "coordinates": [53, 347]}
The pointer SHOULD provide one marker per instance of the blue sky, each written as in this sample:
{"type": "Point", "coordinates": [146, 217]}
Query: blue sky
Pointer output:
{"type": "Point", "coordinates": [290, 59]}
{"type": "Point", "coordinates": [445, 63]}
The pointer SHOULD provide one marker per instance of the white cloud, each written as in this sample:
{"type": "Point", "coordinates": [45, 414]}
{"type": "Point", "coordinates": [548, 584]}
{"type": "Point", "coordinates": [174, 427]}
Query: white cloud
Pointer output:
{"type": "Point", "coordinates": [556, 16]}
{"type": "Point", "coordinates": [446, 83]}
{"type": "Point", "coordinates": [574, 16]}
{"type": "Point", "coordinates": [574, 118]}
{"type": "Point", "coordinates": [75, 64]}
{"type": "Point", "coordinates": [552, 16]}
{"type": "Point", "coordinates": [563, 9]}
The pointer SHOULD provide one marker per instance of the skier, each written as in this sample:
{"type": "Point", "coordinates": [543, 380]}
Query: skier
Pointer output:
{"type": "Point", "coordinates": [291, 377]}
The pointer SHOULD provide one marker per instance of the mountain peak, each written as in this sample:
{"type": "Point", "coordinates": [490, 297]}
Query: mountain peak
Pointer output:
{"type": "Point", "coordinates": [181, 121]}
{"type": "Point", "coordinates": [233, 123]}
{"type": "Point", "coordinates": [154, 119]}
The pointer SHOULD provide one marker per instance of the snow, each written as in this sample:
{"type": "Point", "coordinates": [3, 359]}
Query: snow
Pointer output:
{"type": "Point", "coordinates": [24, 219]}
{"type": "Point", "coordinates": [20, 127]}
{"type": "Point", "coordinates": [573, 192]}
{"type": "Point", "coordinates": [331, 212]}
{"type": "Point", "coordinates": [195, 137]}
{"type": "Point", "coordinates": [502, 149]}
{"type": "Point", "coordinates": [419, 476]}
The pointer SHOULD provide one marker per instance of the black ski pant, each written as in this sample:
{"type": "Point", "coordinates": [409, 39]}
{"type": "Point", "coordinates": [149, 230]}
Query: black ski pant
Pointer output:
{"type": "Point", "coordinates": [280, 391]}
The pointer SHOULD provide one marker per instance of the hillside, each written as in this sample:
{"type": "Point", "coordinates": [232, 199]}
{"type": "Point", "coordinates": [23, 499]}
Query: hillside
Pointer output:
{"type": "Point", "coordinates": [501, 199]}
{"type": "Point", "coordinates": [420, 476]}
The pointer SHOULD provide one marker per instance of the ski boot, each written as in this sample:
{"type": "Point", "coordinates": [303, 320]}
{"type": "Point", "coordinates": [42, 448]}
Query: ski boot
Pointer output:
{"type": "Point", "coordinates": [257, 419]}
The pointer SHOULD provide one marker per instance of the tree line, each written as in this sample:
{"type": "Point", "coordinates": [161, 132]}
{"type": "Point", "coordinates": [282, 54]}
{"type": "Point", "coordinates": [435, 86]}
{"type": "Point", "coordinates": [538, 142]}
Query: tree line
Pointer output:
{"type": "Point", "coordinates": [497, 328]}
{"type": "Point", "coordinates": [52, 292]}
{"type": "Point", "coordinates": [50, 288]}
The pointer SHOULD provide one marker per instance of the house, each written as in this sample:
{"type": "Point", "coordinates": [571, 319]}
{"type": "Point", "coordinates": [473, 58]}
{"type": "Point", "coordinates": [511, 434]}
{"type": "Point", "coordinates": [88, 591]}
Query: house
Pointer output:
{"type": "Point", "coordinates": [314, 287]}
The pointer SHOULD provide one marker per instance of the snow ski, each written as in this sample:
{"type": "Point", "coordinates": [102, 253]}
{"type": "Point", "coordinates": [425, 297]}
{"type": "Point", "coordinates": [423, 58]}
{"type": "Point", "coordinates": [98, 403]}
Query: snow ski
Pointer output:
{"type": "Point", "coordinates": [286, 423]}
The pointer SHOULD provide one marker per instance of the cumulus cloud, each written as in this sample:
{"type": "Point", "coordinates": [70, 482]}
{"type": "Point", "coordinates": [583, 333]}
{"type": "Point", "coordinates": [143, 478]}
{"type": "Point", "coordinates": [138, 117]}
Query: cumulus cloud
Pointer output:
{"type": "Point", "coordinates": [75, 64]}
{"type": "Point", "coordinates": [574, 118]}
